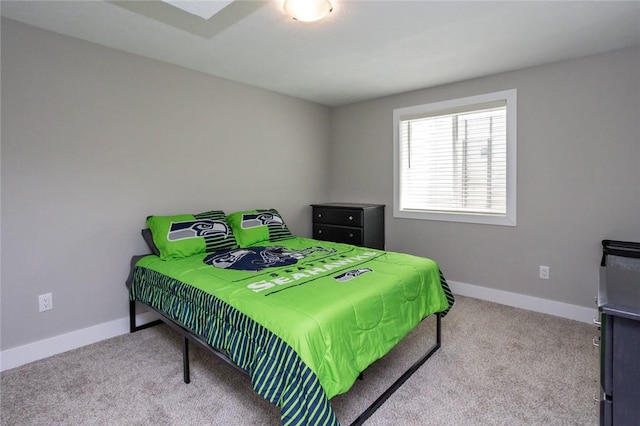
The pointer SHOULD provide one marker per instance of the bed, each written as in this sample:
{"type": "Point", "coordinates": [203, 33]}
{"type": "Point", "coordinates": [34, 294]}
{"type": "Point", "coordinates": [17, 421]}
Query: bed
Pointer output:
{"type": "Point", "coordinates": [303, 318]}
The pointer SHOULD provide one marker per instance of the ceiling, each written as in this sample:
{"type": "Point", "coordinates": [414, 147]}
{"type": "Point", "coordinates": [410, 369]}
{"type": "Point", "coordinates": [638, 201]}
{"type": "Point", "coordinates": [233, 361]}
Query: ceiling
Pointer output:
{"type": "Point", "coordinates": [363, 50]}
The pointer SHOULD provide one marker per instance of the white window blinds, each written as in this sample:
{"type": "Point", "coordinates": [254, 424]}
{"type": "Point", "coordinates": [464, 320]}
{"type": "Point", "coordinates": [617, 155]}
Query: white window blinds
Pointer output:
{"type": "Point", "coordinates": [453, 158]}
{"type": "Point", "coordinates": [455, 162]}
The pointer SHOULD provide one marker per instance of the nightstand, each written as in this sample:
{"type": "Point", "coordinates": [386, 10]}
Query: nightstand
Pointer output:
{"type": "Point", "coordinates": [351, 223]}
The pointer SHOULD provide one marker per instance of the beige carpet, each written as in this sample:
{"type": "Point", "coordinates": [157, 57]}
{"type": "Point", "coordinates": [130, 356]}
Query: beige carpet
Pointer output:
{"type": "Point", "coordinates": [498, 366]}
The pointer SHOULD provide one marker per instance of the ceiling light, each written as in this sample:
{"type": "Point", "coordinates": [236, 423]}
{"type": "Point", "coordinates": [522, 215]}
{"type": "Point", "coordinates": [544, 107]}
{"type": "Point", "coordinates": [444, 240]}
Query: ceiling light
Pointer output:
{"type": "Point", "coordinates": [307, 10]}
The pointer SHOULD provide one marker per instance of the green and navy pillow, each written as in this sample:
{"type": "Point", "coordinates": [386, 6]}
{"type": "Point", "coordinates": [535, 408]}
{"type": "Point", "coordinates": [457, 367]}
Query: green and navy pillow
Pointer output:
{"type": "Point", "coordinates": [184, 235]}
{"type": "Point", "coordinates": [256, 226]}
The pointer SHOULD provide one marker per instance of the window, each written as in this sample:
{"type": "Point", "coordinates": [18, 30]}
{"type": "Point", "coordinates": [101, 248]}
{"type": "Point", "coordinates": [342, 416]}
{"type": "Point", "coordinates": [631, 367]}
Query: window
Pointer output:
{"type": "Point", "coordinates": [456, 160]}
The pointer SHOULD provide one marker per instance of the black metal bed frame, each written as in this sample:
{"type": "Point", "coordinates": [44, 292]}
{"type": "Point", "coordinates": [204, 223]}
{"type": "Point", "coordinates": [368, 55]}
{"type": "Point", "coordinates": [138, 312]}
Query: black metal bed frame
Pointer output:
{"type": "Point", "coordinates": [188, 335]}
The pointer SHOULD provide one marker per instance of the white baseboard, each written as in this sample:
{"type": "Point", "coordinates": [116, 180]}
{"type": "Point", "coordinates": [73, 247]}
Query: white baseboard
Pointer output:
{"type": "Point", "coordinates": [530, 303]}
{"type": "Point", "coordinates": [25, 354]}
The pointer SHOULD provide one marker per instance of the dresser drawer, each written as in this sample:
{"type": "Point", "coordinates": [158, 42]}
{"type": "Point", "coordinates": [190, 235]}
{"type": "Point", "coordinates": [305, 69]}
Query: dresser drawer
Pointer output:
{"type": "Point", "coordinates": [351, 223]}
{"type": "Point", "coordinates": [338, 234]}
{"type": "Point", "coordinates": [344, 217]}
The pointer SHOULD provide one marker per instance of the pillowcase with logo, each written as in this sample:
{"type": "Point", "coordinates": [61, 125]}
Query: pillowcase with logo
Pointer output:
{"type": "Point", "coordinates": [184, 235]}
{"type": "Point", "coordinates": [256, 226]}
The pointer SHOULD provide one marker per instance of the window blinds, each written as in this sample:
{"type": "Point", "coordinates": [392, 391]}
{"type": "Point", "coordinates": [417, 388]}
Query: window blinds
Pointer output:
{"type": "Point", "coordinates": [455, 162]}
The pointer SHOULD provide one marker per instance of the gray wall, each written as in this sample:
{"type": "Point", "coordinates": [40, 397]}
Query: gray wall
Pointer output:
{"type": "Point", "coordinates": [94, 140]}
{"type": "Point", "coordinates": [578, 176]}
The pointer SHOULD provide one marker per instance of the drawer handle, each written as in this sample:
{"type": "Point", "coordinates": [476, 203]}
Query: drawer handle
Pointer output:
{"type": "Point", "coordinates": [596, 342]}
{"type": "Point", "coordinates": [596, 322]}
{"type": "Point", "coordinates": [350, 235]}
{"type": "Point", "coordinates": [319, 214]}
{"type": "Point", "coordinates": [319, 231]}
{"type": "Point", "coordinates": [350, 217]}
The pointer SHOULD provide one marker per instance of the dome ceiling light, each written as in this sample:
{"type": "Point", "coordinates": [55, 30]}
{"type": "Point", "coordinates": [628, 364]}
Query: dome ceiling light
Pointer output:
{"type": "Point", "coordinates": [307, 10]}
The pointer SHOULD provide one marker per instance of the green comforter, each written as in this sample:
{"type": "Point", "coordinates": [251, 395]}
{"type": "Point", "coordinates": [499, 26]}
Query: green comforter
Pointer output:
{"type": "Point", "coordinates": [339, 307]}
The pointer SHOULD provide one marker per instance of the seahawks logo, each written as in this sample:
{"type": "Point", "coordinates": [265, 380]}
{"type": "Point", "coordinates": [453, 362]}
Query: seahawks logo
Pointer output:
{"type": "Point", "coordinates": [260, 219]}
{"type": "Point", "coordinates": [349, 275]}
{"type": "Point", "coordinates": [253, 259]}
{"type": "Point", "coordinates": [228, 259]}
{"type": "Point", "coordinates": [259, 258]}
{"type": "Point", "coordinates": [196, 229]}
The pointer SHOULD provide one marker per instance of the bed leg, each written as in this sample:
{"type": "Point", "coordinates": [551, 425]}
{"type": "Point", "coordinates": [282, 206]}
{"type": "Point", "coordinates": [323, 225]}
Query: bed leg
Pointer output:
{"type": "Point", "coordinates": [132, 319]}
{"type": "Point", "coordinates": [132, 316]}
{"type": "Point", "coordinates": [382, 398]}
{"type": "Point", "coordinates": [185, 361]}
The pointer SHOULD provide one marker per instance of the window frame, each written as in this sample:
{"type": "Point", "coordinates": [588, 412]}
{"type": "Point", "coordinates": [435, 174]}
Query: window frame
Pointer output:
{"type": "Point", "coordinates": [443, 107]}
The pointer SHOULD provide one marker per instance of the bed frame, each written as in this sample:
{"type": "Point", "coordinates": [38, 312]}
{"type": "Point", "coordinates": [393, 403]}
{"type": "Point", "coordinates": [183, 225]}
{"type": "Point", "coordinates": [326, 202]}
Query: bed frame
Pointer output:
{"type": "Point", "coordinates": [189, 336]}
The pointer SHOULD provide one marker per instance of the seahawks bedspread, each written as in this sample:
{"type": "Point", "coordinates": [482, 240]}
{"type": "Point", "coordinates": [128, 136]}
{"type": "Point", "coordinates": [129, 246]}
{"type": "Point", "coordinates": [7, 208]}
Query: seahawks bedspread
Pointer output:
{"type": "Point", "coordinates": [303, 318]}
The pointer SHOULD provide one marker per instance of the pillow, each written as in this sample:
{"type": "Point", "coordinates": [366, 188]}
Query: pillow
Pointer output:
{"type": "Point", "coordinates": [255, 226]}
{"type": "Point", "coordinates": [184, 235]}
{"type": "Point", "coordinates": [148, 238]}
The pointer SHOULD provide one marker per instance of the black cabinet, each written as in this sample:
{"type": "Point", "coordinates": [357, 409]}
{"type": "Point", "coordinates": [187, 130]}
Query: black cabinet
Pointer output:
{"type": "Point", "coordinates": [619, 306]}
{"type": "Point", "coordinates": [357, 224]}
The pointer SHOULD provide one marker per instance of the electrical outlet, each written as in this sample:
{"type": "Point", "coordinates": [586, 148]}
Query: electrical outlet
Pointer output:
{"type": "Point", "coordinates": [544, 272]}
{"type": "Point", "coordinates": [45, 302]}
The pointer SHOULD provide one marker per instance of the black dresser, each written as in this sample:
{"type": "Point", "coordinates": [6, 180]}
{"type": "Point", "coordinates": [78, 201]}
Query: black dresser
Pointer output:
{"type": "Point", "coordinates": [357, 224]}
{"type": "Point", "coordinates": [619, 306]}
